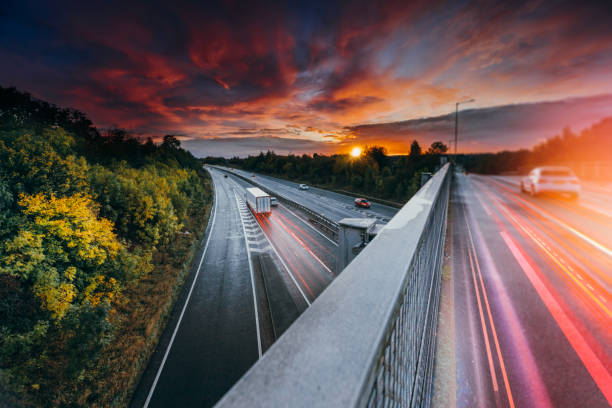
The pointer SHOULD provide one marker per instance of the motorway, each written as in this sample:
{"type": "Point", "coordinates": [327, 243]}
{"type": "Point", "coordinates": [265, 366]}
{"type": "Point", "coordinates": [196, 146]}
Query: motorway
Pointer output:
{"type": "Point", "coordinates": [329, 204]}
{"type": "Point", "coordinates": [252, 278]}
{"type": "Point", "coordinates": [530, 297]}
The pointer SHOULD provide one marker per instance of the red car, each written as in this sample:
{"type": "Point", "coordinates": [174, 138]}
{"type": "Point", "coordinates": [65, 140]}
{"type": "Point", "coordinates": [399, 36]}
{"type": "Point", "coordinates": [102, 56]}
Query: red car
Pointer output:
{"type": "Point", "coordinates": [362, 202]}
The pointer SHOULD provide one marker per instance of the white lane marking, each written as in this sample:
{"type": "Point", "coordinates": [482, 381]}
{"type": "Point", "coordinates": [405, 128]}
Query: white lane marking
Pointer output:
{"type": "Point", "coordinates": [286, 267]}
{"type": "Point", "coordinates": [298, 217]}
{"type": "Point", "coordinates": [161, 367]}
{"type": "Point", "coordinates": [590, 360]}
{"type": "Point", "coordinates": [278, 256]}
{"type": "Point", "coordinates": [560, 223]}
{"type": "Point", "coordinates": [252, 277]}
{"type": "Point", "coordinates": [474, 261]}
{"type": "Point", "coordinates": [311, 253]}
{"type": "Point", "coordinates": [307, 223]}
{"type": "Point", "coordinates": [595, 208]}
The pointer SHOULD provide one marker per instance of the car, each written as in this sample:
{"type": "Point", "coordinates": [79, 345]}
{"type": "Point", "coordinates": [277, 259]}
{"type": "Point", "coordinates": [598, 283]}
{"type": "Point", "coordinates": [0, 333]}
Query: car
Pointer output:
{"type": "Point", "coordinates": [362, 202]}
{"type": "Point", "coordinates": [551, 179]}
{"type": "Point", "coordinates": [273, 201]}
{"type": "Point", "coordinates": [303, 187]}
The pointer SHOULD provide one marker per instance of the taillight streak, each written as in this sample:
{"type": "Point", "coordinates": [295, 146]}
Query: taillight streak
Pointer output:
{"type": "Point", "coordinates": [569, 247]}
{"type": "Point", "coordinates": [299, 241]}
{"type": "Point", "coordinates": [594, 291]}
{"type": "Point", "coordinates": [303, 263]}
{"type": "Point", "coordinates": [305, 234]}
{"type": "Point", "coordinates": [285, 258]}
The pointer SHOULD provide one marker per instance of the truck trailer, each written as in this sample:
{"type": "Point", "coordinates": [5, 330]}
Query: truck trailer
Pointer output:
{"type": "Point", "coordinates": [258, 201]}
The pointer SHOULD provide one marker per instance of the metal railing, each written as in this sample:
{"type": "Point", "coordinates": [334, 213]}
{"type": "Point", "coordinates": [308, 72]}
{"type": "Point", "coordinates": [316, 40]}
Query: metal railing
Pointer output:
{"type": "Point", "coordinates": [328, 226]}
{"type": "Point", "coordinates": [369, 338]}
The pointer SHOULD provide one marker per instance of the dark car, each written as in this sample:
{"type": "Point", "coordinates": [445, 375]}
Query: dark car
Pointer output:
{"type": "Point", "coordinates": [362, 202]}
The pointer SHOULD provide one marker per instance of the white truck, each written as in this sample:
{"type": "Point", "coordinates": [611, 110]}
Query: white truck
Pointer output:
{"type": "Point", "coordinates": [258, 200]}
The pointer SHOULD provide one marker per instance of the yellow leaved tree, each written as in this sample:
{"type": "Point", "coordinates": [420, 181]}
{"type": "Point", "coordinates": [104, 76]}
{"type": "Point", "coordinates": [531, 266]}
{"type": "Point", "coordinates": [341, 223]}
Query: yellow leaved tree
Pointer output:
{"type": "Point", "coordinates": [65, 251]}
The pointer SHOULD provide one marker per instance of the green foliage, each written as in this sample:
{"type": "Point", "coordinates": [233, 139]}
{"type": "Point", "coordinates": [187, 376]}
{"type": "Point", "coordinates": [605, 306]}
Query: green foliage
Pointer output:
{"type": "Point", "coordinates": [374, 173]}
{"type": "Point", "coordinates": [84, 218]}
{"type": "Point", "coordinates": [569, 149]}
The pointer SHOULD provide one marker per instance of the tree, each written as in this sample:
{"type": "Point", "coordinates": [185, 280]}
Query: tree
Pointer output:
{"type": "Point", "coordinates": [378, 154]}
{"type": "Point", "coordinates": [437, 148]}
{"type": "Point", "coordinates": [415, 150]}
{"type": "Point", "coordinates": [62, 250]}
{"type": "Point", "coordinates": [171, 142]}
{"type": "Point", "coordinates": [66, 267]}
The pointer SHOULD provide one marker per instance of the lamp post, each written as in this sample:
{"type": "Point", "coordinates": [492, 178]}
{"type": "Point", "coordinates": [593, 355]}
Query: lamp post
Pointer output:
{"type": "Point", "coordinates": [457, 120]}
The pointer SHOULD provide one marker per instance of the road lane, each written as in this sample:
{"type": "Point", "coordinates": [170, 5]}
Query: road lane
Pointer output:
{"type": "Point", "coordinates": [257, 275]}
{"type": "Point", "coordinates": [532, 299]}
{"type": "Point", "coordinates": [216, 340]}
{"type": "Point", "coordinates": [307, 255]}
{"type": "Point", "coordinates": [331, 205]}
{"type": "Point", "coordinates": [592, 199]}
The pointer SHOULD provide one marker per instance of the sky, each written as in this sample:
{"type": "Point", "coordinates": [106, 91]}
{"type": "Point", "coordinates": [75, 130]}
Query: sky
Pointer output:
{"type": "Point", "coordinates": [235, 77]}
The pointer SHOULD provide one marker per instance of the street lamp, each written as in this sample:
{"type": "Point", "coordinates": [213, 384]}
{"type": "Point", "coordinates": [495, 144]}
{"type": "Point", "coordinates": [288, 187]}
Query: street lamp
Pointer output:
{"type": "Point", "coordinates": [457, 120]}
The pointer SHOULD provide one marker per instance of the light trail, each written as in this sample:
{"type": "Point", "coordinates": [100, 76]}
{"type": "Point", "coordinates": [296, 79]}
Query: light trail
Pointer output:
{"type": "Point", "coordinates": [590, 360]}
{"type": "Point", "coordinates": [299, 241]}
{"type": "Point", "coordinates": [298, 263]}
{"type": "Point", "coordinates": [474, 263]}
{"type": "Point", "coordinates": [583, 343]}
{"type": "Point", "coordinates": [565, 266]}
{"type": "Point", "coordinates": [289, 270]}
{"type": "Point", "coordinates": [562, 268]}
{"type": "Point", "coordinates": [305, 234]}
{"type": "Point", "coordinates": [554, 219]}
{"type": "Point", "coordinates": [308, 224]}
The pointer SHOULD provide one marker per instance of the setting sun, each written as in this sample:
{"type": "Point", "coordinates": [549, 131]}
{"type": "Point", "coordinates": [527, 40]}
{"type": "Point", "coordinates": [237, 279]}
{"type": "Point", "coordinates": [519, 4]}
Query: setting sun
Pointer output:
{"type": "Point", "coordinates": [356, 152]}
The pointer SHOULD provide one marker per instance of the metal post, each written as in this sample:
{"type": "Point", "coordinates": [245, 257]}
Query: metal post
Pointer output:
{"type": "Point", "coordinates": [457, 124]}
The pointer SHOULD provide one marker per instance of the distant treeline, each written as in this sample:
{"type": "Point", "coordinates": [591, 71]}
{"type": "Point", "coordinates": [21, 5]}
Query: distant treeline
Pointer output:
{"type": "Point", "coordinates": [591, 145]}
{"type": "Point", "coordinates": [95, 229]}
{"type": "Point", "coordinates": [374, 173]}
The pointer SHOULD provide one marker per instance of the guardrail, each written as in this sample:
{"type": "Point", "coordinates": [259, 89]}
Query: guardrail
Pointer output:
{"type": "Point", "coordinates": [328, 226]}
{"type": "Point", "coordinates": [369, 338]}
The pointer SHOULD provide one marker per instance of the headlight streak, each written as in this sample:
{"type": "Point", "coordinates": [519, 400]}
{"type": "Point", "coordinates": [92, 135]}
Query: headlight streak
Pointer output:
{"type": "Point", "coordinates": [582, 342]}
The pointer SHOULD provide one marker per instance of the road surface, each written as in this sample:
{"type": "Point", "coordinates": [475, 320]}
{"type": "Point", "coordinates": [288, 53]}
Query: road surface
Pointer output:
{"type": "Point", "coordinates": [307, 253]}
{"type": "Point", "coordinates": [531, 303]}
{"type": "Point", "coordinates": [329, 204]}
{"type": "Point", "coordinates": [255, 277]}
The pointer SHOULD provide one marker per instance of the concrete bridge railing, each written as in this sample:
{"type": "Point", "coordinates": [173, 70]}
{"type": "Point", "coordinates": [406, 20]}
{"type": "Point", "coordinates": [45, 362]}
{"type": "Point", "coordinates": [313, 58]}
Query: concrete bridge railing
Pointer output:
{"type": "Point", "coordinates": [369, 338]}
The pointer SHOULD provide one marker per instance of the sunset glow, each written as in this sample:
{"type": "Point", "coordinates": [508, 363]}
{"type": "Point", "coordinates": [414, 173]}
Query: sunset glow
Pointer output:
{"type": "Point", "coordinates": [356, 152]}
{"type": "Point", "coordinates": [235, 79]}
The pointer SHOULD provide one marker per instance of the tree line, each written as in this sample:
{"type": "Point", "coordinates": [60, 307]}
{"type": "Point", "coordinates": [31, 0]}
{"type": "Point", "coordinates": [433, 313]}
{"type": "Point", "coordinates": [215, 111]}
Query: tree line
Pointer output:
{"type": "Point", "coordinates": [569, 148]}
{"type": "Point", "coordinates": [373, 173]}
{"type": "Point", "coordinates": [89, 221]}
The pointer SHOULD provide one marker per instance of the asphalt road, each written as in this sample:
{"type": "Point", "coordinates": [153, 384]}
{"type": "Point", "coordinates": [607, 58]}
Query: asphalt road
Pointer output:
{"type": "Point", "coordinates": [531, 304]}
{"type": "Point", "coordinates": [331, 205]}
{"type": "Point", "coordinates": [257, 275]}
{"type": "Point", "coordinates": [306, 253]}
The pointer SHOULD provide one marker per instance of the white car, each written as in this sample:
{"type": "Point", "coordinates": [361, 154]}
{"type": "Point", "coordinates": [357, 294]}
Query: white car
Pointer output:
{"type": "Point", "coordinates": [273, 201]}
{"type": "Point", "coordinates": [551, 179]}
{"type": "Point", "coordinates": [303, 187]}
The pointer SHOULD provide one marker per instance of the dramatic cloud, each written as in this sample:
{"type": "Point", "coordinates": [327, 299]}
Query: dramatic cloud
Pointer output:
{"type": "Point", "coordinates": [485, 130]}
{"type": "Point", "coordinates": [329, 72]}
